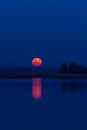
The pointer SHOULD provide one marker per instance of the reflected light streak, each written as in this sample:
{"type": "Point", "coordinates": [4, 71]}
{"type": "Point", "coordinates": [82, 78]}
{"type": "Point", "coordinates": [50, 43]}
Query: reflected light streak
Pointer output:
{"type": "Point", "coordinates": [36, 88]}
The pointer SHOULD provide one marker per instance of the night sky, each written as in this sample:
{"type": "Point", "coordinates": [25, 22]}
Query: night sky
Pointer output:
{"type": "Point", "coordinates": [55, 30]}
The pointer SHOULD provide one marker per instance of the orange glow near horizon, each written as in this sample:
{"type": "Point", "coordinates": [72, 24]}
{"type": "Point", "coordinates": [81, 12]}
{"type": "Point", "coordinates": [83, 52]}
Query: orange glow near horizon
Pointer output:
{"type": "Point", "coordinates": [36, 88]}
{"type": "Point", "coordinates": [36, 62]}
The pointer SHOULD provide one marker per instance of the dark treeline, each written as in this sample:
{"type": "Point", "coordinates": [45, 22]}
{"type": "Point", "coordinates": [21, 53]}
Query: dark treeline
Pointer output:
{"type": "Point", "coordinates": [64, 68]}
{"type": "Point", "coordinates": [73, 68]}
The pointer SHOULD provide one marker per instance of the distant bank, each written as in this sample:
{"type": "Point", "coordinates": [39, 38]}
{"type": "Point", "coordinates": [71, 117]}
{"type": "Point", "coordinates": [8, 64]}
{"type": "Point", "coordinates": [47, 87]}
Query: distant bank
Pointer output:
{"type": "Point", "coordinates": [46, 75]}
{"type": "Point", "coordinates": [71, 71]}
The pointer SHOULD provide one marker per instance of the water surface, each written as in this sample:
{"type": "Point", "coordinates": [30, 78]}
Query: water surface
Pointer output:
{"type": "Point", "coordinates": [43, 104]}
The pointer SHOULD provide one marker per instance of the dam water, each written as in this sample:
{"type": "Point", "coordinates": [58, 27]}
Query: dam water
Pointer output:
{"type": "Point", "coordinates": [43, 104]}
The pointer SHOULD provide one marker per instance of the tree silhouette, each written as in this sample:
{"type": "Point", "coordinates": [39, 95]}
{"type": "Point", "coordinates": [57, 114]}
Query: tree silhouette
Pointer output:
{"type": "Point", "coordinates": [64, 68]}
{"type": "Point", "coordinates": [72, 68]}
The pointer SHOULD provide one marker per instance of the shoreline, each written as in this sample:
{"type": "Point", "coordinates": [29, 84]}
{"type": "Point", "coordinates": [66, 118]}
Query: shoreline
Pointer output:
{"type": "Point", "coordinates": [45, 75]}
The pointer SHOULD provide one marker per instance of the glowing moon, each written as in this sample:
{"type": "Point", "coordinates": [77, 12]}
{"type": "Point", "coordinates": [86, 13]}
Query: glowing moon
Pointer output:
{"type": "Point", "coordinates": [36, 62]}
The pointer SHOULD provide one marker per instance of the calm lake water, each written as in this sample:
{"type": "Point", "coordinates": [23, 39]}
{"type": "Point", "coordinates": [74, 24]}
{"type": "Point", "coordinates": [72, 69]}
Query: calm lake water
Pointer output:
{"type": "Point", "coordinates": [43, 104]}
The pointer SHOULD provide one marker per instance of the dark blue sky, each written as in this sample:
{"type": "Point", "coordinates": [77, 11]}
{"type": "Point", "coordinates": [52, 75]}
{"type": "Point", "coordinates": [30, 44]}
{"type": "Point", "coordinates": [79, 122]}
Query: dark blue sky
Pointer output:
{"type": "Point", "coordinates": [55, 30]}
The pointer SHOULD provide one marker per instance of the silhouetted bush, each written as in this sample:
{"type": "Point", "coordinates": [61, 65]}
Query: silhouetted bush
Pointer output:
{"type": "Point", "coordinates": [81, 69]}
{"type": "Point", "coordinates": [72, 68]}
{"type": "Point", "coordinates": [64, 68]}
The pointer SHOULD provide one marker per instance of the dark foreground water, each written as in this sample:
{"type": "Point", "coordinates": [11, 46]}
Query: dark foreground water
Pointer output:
{"type": "Point", "coordinates": [43, 104]}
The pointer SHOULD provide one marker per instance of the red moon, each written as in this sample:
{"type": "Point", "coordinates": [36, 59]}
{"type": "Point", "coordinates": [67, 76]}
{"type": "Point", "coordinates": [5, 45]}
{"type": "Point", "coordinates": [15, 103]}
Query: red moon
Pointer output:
{"type": "Point", "coordinates": [36, 62]}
